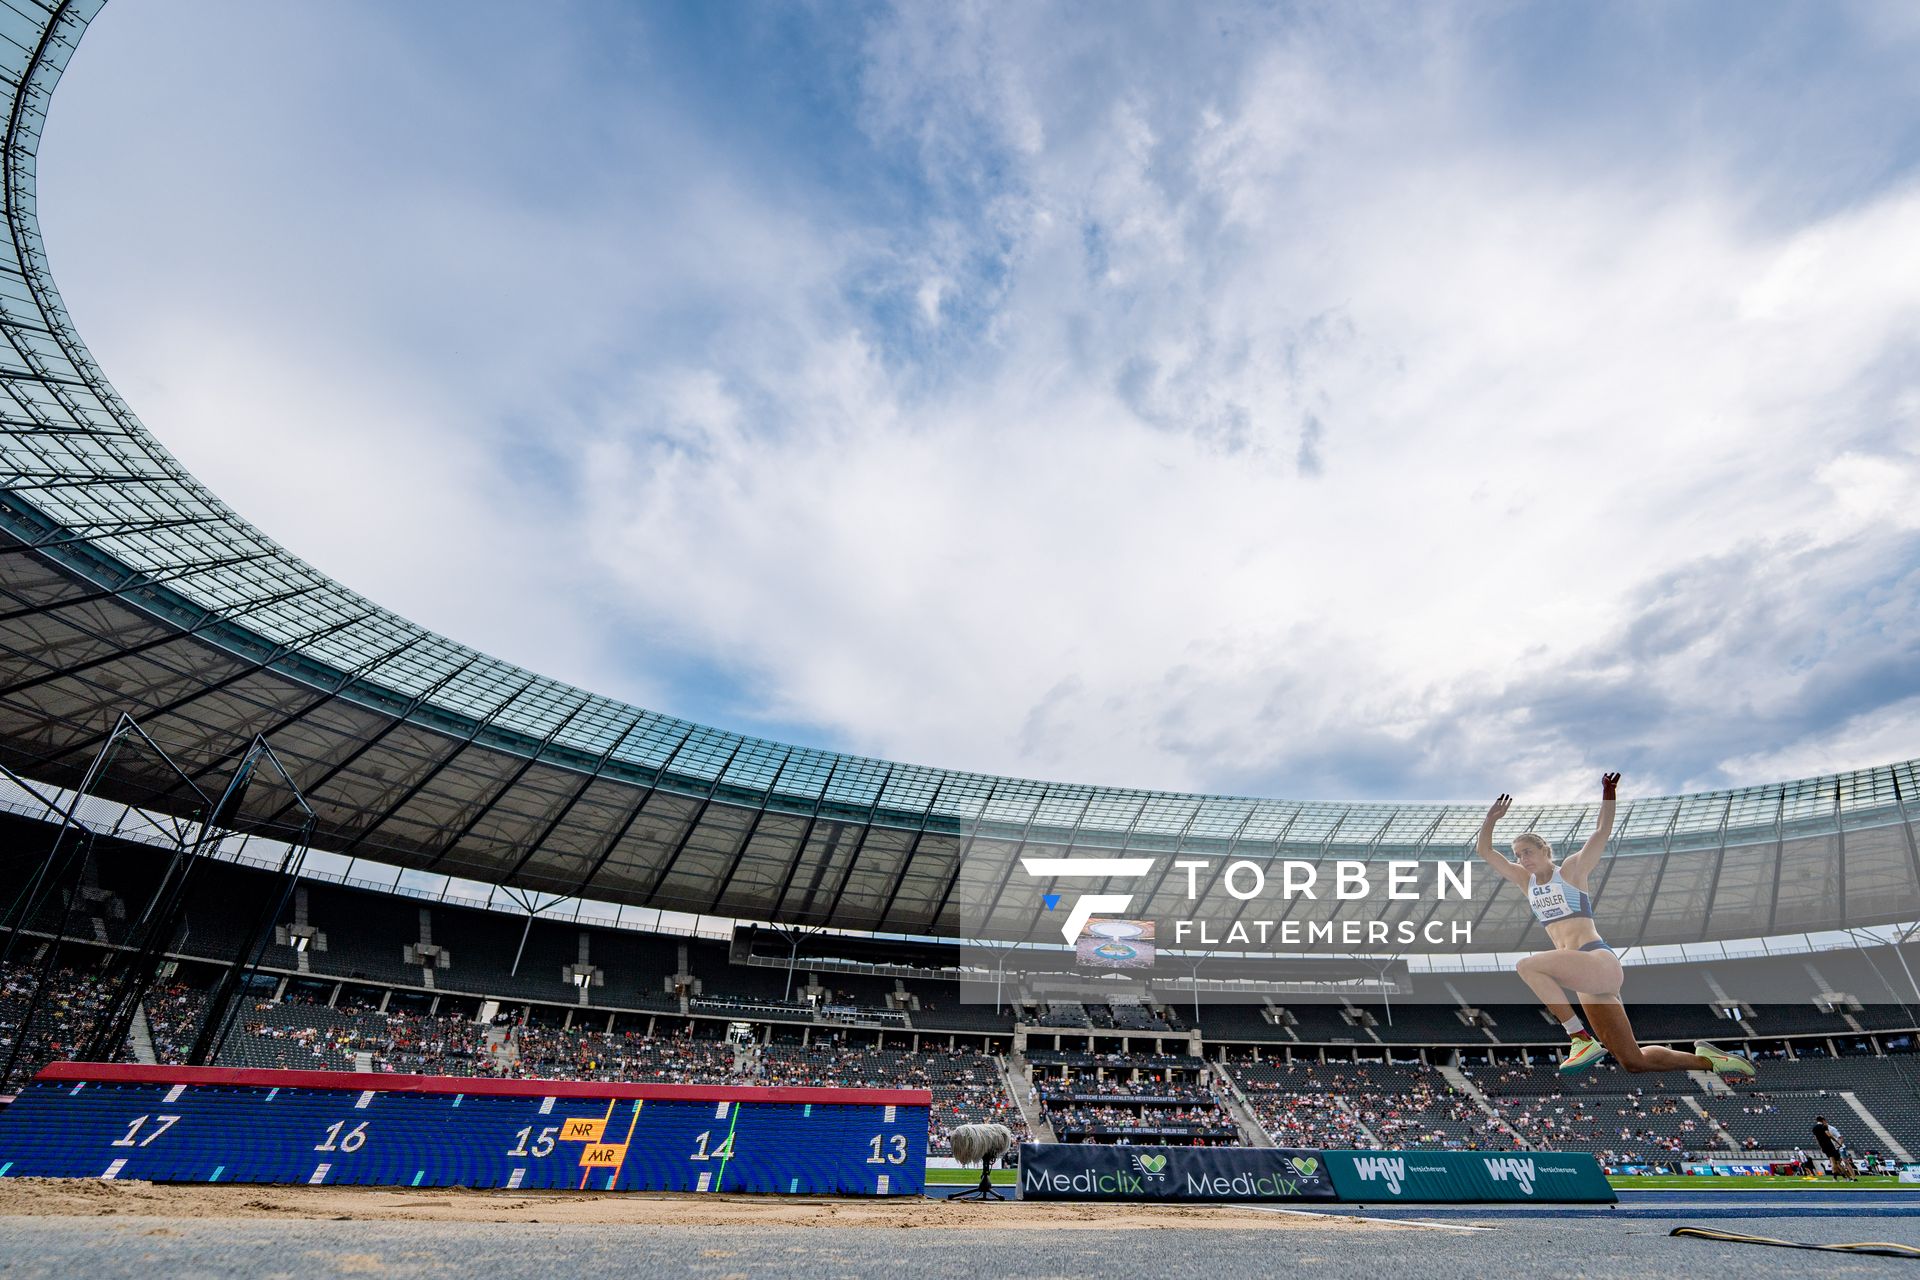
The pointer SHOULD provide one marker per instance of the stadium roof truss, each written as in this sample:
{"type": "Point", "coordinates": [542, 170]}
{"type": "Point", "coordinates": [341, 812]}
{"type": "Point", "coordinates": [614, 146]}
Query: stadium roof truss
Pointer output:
{"type": "Point", "coordinates": [125, 585]}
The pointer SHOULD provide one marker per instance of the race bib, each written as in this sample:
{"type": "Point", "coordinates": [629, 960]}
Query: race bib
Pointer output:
{"type": "Point", "coordinates": [1549, 902]}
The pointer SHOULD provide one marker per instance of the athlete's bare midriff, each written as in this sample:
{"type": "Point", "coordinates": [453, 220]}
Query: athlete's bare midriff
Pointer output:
{"type": "Point", "coordinates": [1572, 934]}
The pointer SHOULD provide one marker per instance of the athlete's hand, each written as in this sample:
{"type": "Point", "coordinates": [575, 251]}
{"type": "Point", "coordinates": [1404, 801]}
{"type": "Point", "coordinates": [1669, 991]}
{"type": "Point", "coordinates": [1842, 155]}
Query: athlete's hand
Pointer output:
{"type": "Point", "coordinates": [1498, 809]}
{"type": "Point", "coordinates": [1609, 783]}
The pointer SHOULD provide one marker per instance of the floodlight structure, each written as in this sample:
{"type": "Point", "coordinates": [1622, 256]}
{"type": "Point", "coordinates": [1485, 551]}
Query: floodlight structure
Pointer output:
{"type": "Point", "coordinates": [133, 967]}
{"type": "Point", "coordinates": [60, 874]}
{"type": "Point", "coordinates": [35, 887]}
{"type": "Point", "coordinates": [257, 764]}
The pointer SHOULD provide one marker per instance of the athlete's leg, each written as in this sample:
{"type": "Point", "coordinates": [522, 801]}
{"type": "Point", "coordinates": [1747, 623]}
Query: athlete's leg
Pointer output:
{"type": "Point", "coordinates": [1608, 1018]}
{"type": "Point", "coordinates": [1550, 975]}
{"type": "Point", "coordinates": [1538, 972]}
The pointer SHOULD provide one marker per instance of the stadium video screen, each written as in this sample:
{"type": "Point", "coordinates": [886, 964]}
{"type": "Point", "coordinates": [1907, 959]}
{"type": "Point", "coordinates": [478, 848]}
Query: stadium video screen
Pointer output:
{"type": "Point", "coordinates": [1115, 944]}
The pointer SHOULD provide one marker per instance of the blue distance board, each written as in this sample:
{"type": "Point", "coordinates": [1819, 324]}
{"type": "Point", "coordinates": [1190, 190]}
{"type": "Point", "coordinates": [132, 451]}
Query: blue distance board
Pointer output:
{"type": "Point", "coordinates": [622, 1138]}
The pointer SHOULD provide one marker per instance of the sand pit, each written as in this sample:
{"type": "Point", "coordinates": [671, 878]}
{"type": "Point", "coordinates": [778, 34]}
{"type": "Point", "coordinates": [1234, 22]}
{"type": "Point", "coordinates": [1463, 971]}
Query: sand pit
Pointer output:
{"type": "Point", "coordinates": [44, 1197]}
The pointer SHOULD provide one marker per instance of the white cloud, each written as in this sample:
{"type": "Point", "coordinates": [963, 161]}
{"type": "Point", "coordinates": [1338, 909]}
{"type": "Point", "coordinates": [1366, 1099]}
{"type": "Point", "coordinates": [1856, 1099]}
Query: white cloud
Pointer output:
{"type": "Point", "coordinates": [1872, 490]}
{"type": "Point", "coordinates": [1858, 742]}
{"type": "Point", "coordinates": [1529, 393]}
{"type": "Point", "coordinates": [1260, 410]}
{"type": "Point", "coordinates": [377, 363]}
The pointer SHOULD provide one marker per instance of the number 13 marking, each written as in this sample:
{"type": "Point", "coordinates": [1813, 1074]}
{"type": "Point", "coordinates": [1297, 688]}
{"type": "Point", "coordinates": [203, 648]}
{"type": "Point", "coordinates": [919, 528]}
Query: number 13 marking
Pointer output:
{"type": "Point", "coordinates": [895, 1150]}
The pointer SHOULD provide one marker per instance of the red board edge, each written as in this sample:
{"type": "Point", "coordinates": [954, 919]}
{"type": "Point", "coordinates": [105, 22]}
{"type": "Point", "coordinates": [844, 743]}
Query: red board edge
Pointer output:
{"type": "Point", "coordinates": [381, 1082]}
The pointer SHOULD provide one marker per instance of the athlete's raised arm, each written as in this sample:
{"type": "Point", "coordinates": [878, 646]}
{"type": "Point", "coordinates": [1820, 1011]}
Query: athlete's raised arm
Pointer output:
{"type": "Point", "coordinates": [1484, 845]}
{"type": "Point", "coordinates": [1577, 868]}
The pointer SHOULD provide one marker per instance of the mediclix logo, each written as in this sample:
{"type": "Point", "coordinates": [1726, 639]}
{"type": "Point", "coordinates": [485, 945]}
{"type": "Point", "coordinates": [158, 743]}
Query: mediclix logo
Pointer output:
{"type": "Point", "coordinates": [1153, 1166]}
{"type": "Point", "coordinates": [1518, 1168]}
{"type": "Point", "coordinates": [1088, 869]}
{"type": "Point", "coordinates": [1389, 1169]}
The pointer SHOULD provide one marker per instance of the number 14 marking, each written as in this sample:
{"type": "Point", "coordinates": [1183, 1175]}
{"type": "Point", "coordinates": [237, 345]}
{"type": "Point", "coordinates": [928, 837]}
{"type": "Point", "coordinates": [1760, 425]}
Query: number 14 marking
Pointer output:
{"type": "Point", "coordinates": [722, 1152]}
{"type": "Point", "coordinates": [133, 1131]}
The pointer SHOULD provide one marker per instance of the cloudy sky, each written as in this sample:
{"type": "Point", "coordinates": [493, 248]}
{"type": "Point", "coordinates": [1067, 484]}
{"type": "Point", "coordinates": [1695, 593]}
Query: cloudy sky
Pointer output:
{"type": "Point", "coordinates": [1319, 401]}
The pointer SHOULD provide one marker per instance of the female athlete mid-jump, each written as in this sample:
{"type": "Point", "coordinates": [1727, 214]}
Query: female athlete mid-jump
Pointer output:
{"type": "Point", "coordinates": [1581, 961]}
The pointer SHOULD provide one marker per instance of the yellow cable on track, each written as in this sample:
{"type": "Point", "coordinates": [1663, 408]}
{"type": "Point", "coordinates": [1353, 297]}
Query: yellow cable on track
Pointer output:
{"type": "Point", "coordinates": [1881, 1248]}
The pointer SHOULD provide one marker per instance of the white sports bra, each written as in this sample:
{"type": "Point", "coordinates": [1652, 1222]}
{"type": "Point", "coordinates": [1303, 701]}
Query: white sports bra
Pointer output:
{"type": "Point", "coordinates": [1558, 900]}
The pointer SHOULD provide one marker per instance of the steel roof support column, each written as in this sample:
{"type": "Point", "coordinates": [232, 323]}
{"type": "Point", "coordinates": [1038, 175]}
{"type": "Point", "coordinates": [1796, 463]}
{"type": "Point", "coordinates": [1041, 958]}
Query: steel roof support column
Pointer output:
{"type": "Point", "coordinates": [421, 784]}
{"type": "Point", "coordinates": [346, 678]}
{"type": "Point", "coordinates": [1006, 878]}
{"type": "Point", "coordinates": [32, 895]}
{"type": "Point", "coordinates": [913, 847]}
{"type": "Point", "coordinates": [599, 767]}
{"type": "Point", "coordinates": [187, 699]}
{"type": "Point", "coordinates": [525, 903]}
{"type": "Point", "coordinates": [1907, 969]}
{"type": "Point", "coordinates": [1779, 855]}
{"type": "Point", "coordinates": [512, 781]}
{"type": "Point", "coordinates": [399, 718]}
{"type": "Point", "coordinates": [222, 1006]}
{"type": "Point", "coordinates": [633, 814]}
{"type": "Point", "coordinates": [793, 936]}
{"type": "Point", "coordinates": [1421, 846]}
{"type": "Point", "coordinates": [1226, 860]}
{"type": "Point", "coordinates": [746, 838]}
{"type": "Point", "coordinates": [1126, 844]}
{"type": "Point", "coordinates": [130, 970]}
{"type": "Point", "coordinates": [1906, 824]}
{"type": "Point", "coordinates": [693, 823]}
{"type": "Point", "coordinates": [135, 582]}
{"type": "Point", "coordinates": [1840, 851]}
{"type": "Point", "coordinates": [124, 528]}
{"type": "Point", "coordinates": [208, 619]}
{"type": "Point", "coordinates": [68, 536]}
{"type": "Point", "coordinates": [77, 860]}
{"type": "Point", "coordinates": [806, 834]}
{"type": "Point", "coordinates": [1719, 865]}
{"type": "Point", "coordinates": [1653, 895]}
{"type": "Point", "coordinates": [860, 845]}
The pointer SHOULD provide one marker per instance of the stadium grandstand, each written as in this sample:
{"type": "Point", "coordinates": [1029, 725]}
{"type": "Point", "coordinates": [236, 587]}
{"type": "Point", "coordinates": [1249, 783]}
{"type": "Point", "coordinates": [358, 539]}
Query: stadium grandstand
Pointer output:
{"type": "Point", "coordinates": [347, 983]}
{"type": "Point", "coordinates": [252, 818]}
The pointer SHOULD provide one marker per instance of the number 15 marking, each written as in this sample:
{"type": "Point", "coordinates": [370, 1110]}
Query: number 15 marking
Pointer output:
{"type": "Point", "coordinates": [133, 1131]}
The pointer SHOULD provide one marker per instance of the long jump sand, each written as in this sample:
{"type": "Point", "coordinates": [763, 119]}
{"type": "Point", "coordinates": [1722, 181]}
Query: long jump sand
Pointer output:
{"type": "Point", "coordinates": [43, 1197]}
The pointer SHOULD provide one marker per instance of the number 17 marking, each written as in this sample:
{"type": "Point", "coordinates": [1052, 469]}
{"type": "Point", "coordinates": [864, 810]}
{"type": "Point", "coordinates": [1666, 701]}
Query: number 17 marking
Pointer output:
{"type": "Point", "coordinates": [133, 1130]}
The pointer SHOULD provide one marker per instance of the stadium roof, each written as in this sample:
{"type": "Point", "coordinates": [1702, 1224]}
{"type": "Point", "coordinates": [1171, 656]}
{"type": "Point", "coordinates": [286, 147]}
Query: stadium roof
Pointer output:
{"type": "Point", "coordinates": [126, 586]}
